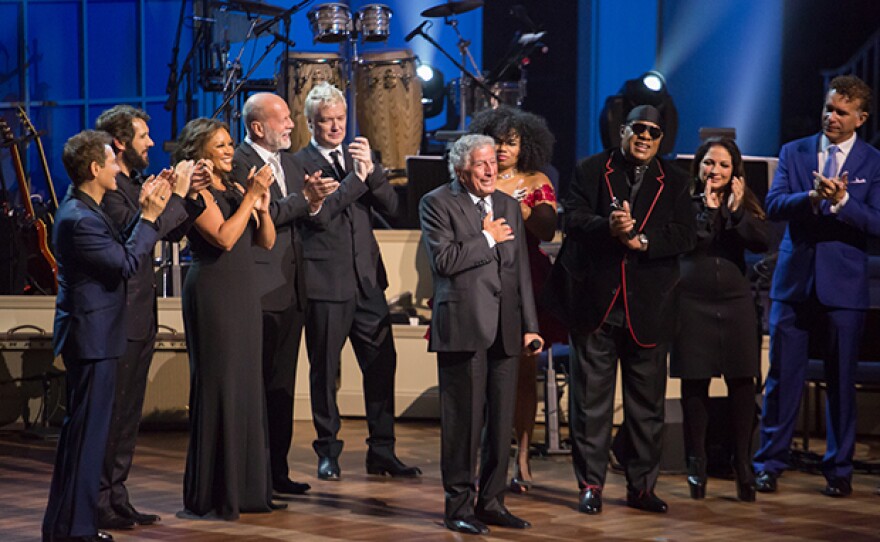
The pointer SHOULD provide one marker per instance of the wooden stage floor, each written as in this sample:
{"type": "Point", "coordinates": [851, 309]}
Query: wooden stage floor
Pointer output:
{"type": "Point", "coordinates": [368, 508]}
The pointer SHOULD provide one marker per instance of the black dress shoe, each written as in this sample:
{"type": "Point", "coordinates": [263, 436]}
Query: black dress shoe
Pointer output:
{"type": "Point", "coordinates": [837, 487]}
{"type": "Point", "coordinates": [765, 482]}
{"type": "Point", "coordinates": [647, 501]}
{"type": "Point", "coordinates": [467, 526]}
{"type": "Point", "coordinates": [128, 512]}
{"type": "Point", "coordinates": [328, 469]}
{"type": "Point", "coordinates": [277, 505]}
{"type": "Point", "coordinates": [289, 487]}
{"type": "Point", "coordinates": [112, 521]}
{"type": "Point", "coordinates": [591, 500]}
{"type": "Point", "coordinates": [393, 467]}
{"type": "Point", "coordinates": [100, 537]}
{"type": "Point", "coordinates": [502, 518]}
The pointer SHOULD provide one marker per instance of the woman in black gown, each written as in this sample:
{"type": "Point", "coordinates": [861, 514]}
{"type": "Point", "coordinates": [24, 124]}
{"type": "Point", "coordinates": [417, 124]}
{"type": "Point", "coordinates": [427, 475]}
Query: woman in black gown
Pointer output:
{"type": "Point", "coordinates": [227, 464]}
{"type": "Point", "coordinates": [717, 323]}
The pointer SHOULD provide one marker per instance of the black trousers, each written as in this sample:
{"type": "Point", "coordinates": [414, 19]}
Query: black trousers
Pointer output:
{"type": "Point", "coordinates": [132, 371]}
{"type": "Point", "coordinates": [594, 360]}
{"type": "Point", "coordinates": [366, 322]}
{"type": "Point", "coordinates": [73, 493]}
{"type": "Point", "coordinates": [282, 333]}
{"type": "Point", "coordinates": [477, 396]}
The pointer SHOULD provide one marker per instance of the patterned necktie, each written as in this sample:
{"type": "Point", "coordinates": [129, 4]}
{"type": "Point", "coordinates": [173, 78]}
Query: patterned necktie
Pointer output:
{"type": "Point", "coordinates": [483, 207]}
{"type": "Point", "coordinates": [275, 163]}
{"type": "Point", "coordinates": [337, 165]}
{"type": "Point", "coordinates": [830, 169]}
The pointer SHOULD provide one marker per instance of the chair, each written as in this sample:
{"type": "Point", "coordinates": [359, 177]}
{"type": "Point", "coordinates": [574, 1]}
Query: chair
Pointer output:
{"type": "Point", "coordinates": [867, 379]}
{"type": "Point", "coordinates": [553, 370]}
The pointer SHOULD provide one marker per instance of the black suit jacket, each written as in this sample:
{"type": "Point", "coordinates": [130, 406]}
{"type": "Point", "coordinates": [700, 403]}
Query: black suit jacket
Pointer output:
{"type": "Point", "coordinates": [122, 206]}
{"type": "Point", "coordinates": [593, 269]}
{"type": "Point", "coordinates": [280, 271]}
{"type": "Point", "coordinates": [472, 294]}
{"type": "Point", "coordinates": [344, 254]}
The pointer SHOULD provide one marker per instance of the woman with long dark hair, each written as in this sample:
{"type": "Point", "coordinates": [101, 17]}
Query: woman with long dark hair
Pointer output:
{"type": "Point", "coordinates": [716, 333]}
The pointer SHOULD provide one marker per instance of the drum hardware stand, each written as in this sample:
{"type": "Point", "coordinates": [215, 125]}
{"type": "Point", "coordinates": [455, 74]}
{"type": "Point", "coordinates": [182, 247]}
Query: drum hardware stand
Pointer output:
{"type": "Point", "coordinates": [463, 46]}
{"type": "Point", "coordinates": [169, 267]}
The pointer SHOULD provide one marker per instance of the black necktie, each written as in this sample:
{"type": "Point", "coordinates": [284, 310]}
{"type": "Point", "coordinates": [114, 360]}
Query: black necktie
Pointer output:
{"type": "Point", "coordinates": [337, 165]}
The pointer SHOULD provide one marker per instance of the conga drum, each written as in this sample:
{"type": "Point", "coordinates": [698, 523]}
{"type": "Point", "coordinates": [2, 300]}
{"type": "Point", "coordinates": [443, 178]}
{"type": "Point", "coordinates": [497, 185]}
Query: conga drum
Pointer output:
{"type": "Point", "coordinates": [304, 71]}
{"type": "Point", "coordinates": [389, 104]}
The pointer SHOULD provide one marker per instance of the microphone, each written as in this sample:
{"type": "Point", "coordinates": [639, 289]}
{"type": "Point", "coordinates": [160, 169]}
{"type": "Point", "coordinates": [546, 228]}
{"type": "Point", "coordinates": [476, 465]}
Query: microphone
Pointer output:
{"type": "Point", "coordinates": [534, 345]}
{"type": "Point", "coordinates": [416, 30]}
{"type": "Point", "coordinates": [283, 39]}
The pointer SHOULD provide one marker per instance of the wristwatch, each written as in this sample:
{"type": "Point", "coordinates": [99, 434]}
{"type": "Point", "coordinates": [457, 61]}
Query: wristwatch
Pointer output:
{"type": "Point", "coordinates": [643, 242]}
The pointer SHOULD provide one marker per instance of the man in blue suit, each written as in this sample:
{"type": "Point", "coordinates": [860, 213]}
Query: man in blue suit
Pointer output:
{"type": "Point", "coordinates": [94, 263]}
{"type": "Point", "coordinates": [827, 187]}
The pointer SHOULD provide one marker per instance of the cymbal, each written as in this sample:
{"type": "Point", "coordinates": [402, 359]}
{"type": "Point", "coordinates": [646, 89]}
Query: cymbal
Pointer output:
{"type": "Point", "coordinates": [250, 6]}
{"type": "Point", "coordinates": [452, 7]}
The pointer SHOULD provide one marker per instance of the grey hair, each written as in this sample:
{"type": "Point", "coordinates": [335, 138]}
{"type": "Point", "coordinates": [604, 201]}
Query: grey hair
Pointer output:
{"type": "Point", "coordinates": [322, 94]}
{"type": "Point", "coordinates": [460, 152]}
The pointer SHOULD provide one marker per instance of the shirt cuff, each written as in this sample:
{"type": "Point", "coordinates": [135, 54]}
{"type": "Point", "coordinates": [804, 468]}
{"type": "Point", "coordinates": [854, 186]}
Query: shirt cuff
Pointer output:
{"type": "Point", "coordinates": [489, 238]}
{"type": "Point", "coordinates": [839, 205]}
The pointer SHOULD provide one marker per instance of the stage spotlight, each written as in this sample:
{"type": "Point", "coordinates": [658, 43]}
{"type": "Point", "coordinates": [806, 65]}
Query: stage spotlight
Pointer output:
{"type": "Point", "coordinates": [433, 90]}
{"type": "Point", "coordinates": [654, 81]}
{"type": "Point", "coordinates": [648, 89]}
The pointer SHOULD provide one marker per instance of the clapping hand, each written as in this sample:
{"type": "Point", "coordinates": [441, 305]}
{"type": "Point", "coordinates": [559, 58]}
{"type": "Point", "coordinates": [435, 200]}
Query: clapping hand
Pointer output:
{"type": "Point", "coordinates": [154, 196]}
{"type": "Point", "coordinates": [363, 158]}
{"type": "Point", "coordinates": [183, 171]}
{"type": "Point", "coordinates": [317, 188]}
{"type": "Point", "coordinates": [259, 181]}
{"type": "Point", "coordinates": [621, 222]}
{"type": "Point", "coordinates": [737, 190]}
{"type": "Point", "coordinates": [831, 188]}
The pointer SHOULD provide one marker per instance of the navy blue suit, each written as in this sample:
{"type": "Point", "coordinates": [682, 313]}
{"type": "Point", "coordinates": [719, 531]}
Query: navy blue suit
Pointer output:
{"type": "Point", "coordinates": [819, 289]}
{"type": "Point", "coordinates": [89, 334]}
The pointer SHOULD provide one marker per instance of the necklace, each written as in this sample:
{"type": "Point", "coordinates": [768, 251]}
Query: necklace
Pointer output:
{"type": "Point", "coordinates": [509, 175]}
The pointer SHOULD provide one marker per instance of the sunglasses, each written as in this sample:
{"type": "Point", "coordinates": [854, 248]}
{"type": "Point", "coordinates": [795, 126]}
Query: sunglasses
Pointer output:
{"type": "Point", "coordinates": [639, 128]}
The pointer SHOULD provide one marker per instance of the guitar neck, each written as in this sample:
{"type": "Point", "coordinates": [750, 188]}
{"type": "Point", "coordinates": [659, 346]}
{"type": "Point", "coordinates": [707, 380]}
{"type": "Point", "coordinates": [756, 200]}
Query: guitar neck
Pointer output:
{"type": "Point", "coordinates": [45, 163]}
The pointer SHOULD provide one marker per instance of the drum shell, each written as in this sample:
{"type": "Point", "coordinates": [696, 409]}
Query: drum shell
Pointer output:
{"type": "Point", "coordinates": [374, 22]}
{"type": "Point", "coordinates": [304, 71]}
{"type": "Point", "coordinates": [389, 104]}
{"type": "Point", "coordinates": [330, 23]}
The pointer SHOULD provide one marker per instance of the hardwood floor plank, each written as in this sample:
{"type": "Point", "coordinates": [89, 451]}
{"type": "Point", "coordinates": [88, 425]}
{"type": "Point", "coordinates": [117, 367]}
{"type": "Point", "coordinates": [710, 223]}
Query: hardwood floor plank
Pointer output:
{"type": "Point", "coordinates": [371, 508]}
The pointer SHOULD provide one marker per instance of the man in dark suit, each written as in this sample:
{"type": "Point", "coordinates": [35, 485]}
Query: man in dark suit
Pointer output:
{"type": "Point", "coordinates": [628, 217]}
{"type": "Point", "coordinates": [94, 263]}
{"type": "Point", "coordinates": [346, 282]}
{"type": "Point", "coordinates": [280, 271]}
{"type": "Point", "coordinates": [827, 186]}
{"type": "Point", "coordinates": [131, 143]}
{"type": "Point", "coordinates": [483, 319]}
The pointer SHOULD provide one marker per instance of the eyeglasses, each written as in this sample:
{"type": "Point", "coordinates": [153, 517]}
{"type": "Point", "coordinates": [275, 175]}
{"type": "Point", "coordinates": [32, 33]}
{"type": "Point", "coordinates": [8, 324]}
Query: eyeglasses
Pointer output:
{"type": "Point", "coordinates": [639, 128]}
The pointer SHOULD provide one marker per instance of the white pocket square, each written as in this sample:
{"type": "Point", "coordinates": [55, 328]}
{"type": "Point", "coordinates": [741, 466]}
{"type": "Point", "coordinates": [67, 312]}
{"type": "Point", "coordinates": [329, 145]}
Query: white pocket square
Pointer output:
{"type": "Point", "coordinates": [858, 181]}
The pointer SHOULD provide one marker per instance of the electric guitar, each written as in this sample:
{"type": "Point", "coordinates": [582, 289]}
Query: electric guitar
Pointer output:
{"type": "Point", "coordinates": [41, 266]}
{"type": "Point", "coordinates": [35, 135]}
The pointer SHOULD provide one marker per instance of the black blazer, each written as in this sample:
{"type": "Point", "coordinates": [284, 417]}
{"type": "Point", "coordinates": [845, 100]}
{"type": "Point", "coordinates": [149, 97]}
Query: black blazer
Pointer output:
{"type": "Point", "coordinates": [471, 296]}
{"type": "Point", "coordinates": [280, 272]}
{"type": "Point", "coordinates": [593, 269]}
{"type": "Point", "coordinates": [122, 206]}
{"type": "Point", "coordinates": [344, 255]}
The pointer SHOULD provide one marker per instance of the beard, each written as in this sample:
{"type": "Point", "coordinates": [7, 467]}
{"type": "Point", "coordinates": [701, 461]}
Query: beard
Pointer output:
{"type": "Point", "coordinates": [134, 160]}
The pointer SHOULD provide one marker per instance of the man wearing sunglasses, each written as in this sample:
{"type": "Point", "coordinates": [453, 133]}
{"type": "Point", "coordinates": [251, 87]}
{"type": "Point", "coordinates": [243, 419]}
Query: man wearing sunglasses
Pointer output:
{"type": "Point", "coordinates": [628, 218]}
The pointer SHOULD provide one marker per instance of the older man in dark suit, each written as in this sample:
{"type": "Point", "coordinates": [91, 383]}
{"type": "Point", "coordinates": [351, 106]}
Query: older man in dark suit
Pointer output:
{"type": "Point", "coordinates": [483, 319]}
{"type": "Point", "coordinates": [94, 263]}
{"type": "Point", "coordinates": [280, 272]}
{"type": "Point", "coordinates": [346, 282]}
{"type": "Point", "coordinates": [628, 218]}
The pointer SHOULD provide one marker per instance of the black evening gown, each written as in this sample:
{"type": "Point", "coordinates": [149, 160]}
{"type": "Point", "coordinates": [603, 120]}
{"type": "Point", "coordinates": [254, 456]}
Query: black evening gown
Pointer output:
{"type": "Point", "coordinates": [227, 464]}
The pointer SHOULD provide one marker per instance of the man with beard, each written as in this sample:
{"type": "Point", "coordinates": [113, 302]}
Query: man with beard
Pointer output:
{"type": "Point", "coordinates": [628, 217]}
{"type": "Point", "coordinates": [827, 187]}
{"type": "Point", "coordinates": [296, 197]}
{"type": "Point", "coordinates": [131, 142]}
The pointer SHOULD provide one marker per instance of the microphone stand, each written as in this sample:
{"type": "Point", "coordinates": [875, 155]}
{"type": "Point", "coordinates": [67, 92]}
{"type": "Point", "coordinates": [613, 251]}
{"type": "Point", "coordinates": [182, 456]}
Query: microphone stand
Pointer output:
{"type": "Point", "coordinates": [285, 16]}
{"type": "Point", "coordinates": [464, 72]}
{"type": "Point", "coordinates": [230, 94]}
